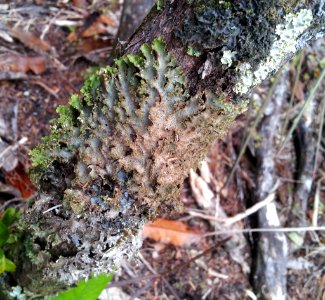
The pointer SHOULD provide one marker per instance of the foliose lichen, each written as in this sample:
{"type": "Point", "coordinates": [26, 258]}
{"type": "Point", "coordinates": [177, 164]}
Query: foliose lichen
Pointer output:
{"type": "Point", "coordinates": [116, 157]}
{"type": "Point", "coordinates": [244, 27]}
{"type": "Point", "coordinates": [284, 44]}
{"type": "Point", "coordinates": [227, 57]}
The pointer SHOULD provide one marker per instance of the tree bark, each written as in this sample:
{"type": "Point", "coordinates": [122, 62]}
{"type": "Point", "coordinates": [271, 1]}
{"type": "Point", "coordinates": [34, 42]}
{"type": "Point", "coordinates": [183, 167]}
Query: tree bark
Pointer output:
{"type": "Point", "coordinates": [117, 156]}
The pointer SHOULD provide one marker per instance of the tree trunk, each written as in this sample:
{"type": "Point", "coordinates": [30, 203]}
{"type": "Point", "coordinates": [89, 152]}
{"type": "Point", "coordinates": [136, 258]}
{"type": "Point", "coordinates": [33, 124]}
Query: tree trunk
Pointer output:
{"type": "Point", "coordinates": [117, 155]}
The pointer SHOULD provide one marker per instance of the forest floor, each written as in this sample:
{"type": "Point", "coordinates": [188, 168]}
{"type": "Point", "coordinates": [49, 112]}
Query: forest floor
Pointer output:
{"type": "Point", "coordinates": [48, 48]}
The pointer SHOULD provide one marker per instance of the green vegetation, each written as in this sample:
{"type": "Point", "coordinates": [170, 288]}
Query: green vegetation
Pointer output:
{"type": "Point", "coordinates": [7, 237]}
{"type": "Point", "coordinates": [85, 290]}
{"type": "Point", "coordinates": [193, 52]}
{"type": "Point", "coordinates": [160, 4]}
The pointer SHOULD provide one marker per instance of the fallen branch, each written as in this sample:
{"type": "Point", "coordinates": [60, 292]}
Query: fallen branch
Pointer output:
{"type": "Point", "coordinates": [117, 156]}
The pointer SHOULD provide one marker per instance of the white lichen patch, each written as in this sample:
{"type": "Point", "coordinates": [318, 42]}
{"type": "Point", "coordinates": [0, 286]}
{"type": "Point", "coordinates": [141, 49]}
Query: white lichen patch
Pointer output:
{"type": "Point", "coordinates": [272, 215]}
{"type": "Point", "coordinates": [227, 57]}
{"type": "Point", "coordinates": [284, 45]}
{"type": "Point", "coordinates": [17, 293]}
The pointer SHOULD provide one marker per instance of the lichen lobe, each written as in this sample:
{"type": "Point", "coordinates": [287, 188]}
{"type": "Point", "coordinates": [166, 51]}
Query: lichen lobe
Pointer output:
{"type": "Point", "coordinates": [124, 150]}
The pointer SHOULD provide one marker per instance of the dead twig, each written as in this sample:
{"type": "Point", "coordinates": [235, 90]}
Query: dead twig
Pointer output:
{"type": "Point", "coordinates": [266, 230]}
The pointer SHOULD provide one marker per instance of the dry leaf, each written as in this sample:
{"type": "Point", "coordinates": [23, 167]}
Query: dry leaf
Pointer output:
{"type": "Point", "coordinates": [90, 44]}
{"type": "Point", "coordinates": [22, 64]}
{"type": "Point", "coordinates": [80, 3]}
{"type": "Point", "coordinates": [72, 37]}
{"type": "Point", "coordinates": [30, 40]}
{"type": "Point", "coordinates": [19, 179]}
{"type": "Point", "coordinates": [107, 20]}
{"type": "Point", "coordinates": [100, 26]}
{"type": "Point", "coordinates": [95, 29]}
{"type": "Point", "coordinates": [172, 232]}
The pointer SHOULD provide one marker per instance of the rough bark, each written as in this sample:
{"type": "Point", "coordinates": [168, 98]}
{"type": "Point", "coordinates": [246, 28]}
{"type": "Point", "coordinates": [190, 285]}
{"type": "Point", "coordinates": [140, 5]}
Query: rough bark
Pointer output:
{"type": "Point", "coordinates": [118, 155]}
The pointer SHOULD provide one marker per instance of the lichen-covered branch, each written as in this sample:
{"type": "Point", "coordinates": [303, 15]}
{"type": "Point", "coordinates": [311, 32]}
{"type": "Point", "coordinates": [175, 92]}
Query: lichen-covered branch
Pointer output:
{"type": "Point", "coordinates": [118, 154]}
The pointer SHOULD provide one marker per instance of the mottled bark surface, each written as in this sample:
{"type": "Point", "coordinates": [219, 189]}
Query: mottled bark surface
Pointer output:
{"type": "Point", "coordinates": [118, 156]}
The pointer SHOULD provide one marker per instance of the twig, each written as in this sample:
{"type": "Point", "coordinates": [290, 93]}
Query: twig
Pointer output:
{"type": "Point", "coordinates": [292, 97]}
{"type": "Point", "coordinates": [22, 141]}
{"type": "Point", "coordinates": [270, 230]}
{"type": "Point", "coordinates": [320, 131]}
{"type": "Point", "coordinates": [3, 206]}
{"type": "Point", "coordinates": [253, 209]}
{"type": "Point", "coordinates": [52, 208]}
{"type": "Point", "coordinates": [45, 87]}
{"type": "Point", "coordinates": [316, 204]}
{"type": "Point", "coordinates": [296, 120]}
{"type": "Point", "coordinates": [240, 216]}
{"type": "Point", "coordinates": [47, 26]}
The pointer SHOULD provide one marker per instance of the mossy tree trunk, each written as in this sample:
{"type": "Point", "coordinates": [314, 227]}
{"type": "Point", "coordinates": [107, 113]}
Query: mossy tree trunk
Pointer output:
{"type": "Point", "coordinates": [117, 155]}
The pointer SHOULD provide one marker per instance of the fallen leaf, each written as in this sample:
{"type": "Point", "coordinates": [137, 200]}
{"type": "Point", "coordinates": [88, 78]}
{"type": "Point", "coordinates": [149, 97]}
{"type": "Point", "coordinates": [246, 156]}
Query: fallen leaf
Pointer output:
{"type": "Point", "coordinates": [22, 64]}
{"type": "Point", "coordinates": [95, 29]}
{"type": "Point", "coordinates": [100, 26]}
{"type": "Point", "coordinates": [171, 232]}
{"type": "Point", "coordinates": [19, 179]}
{"type": "Point", "coordinates": [90, 44]}
{"type": "Point", "coordinates": [72, 37]}
{"type": "Point", "coordinates": [80, 3]}
{"type": "Point", "coordinates": [30, 40]}
{"type": "Point", "coordinates": [107, 20]}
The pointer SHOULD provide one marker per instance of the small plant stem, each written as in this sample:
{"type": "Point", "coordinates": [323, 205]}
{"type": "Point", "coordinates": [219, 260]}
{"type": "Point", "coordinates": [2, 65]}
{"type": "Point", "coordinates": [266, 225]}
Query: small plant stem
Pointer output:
{"type": "Point", "coordinates": [300, 56]}
{"type": "Point", "coordinates": [253, 127]}
{"type": "Point", "coordinates": [320, 132]}
{"type": "Point", "coordinates": [297, 119]}
{"type": "Point", "coordinates": [316, 204]}
{"type": "Point", "coordinates": [275, 229]}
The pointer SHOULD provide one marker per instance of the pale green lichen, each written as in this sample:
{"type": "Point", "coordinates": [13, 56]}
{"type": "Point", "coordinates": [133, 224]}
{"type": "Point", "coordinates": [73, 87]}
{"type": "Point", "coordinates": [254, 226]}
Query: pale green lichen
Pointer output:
{"type": "Point", "coordinates": [284, 45]}
{"type": "Point", "coordinates": [227, 57]}
{"type": "Point", "coordinates": [160, 4]}
{"type": "Point", "coordinates": [192, 52]}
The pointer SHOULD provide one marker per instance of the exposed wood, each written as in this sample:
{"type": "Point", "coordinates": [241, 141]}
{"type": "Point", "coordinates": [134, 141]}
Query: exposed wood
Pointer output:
{"type": "Point", "coordinates": [269, 275]}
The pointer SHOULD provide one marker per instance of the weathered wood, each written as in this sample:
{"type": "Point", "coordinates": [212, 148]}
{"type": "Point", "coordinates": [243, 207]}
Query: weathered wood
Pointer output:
{"type": "Point", "coordinates": [269, 275]}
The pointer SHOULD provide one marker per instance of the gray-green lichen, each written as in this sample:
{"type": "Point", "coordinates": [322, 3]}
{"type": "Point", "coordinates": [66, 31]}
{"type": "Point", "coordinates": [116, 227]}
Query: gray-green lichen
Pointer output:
{"type": "Point", "coordinates": [116, 157]}
{"type": "Point", "coordinates": [284, 44]}
{"type": "Point", "coordinates": [227, 57]}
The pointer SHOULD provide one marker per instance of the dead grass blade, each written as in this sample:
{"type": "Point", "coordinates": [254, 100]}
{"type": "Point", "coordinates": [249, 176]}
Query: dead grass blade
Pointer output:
{"type": "Point", "coordinates": [296, 120]}
{"type": "Point", "coordinates": [320, 132]}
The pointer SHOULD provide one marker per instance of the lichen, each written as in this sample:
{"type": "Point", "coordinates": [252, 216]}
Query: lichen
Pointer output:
{"type": "Point", "coordinates": [244, 27]}
{"type": "Point", "coordinates": [283, 45]}
{"type": "Point", "coordinates": [227, 57]}
{"type": "Point", "coordinates": [117, 157]}
{"type": "Point", "coordinates": [193, 52]}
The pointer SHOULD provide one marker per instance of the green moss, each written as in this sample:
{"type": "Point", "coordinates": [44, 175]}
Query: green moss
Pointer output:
{"type": "Point", "coordinates": [42, 155]}
{"type": "Point", "coordinates": [90, 88]}
{"type": "Point", "coordinates": [66, 117]}
{"type": "Point", "coordinates": [75, 102]}
{"type": "Point", "coordinates": [192, 52]}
